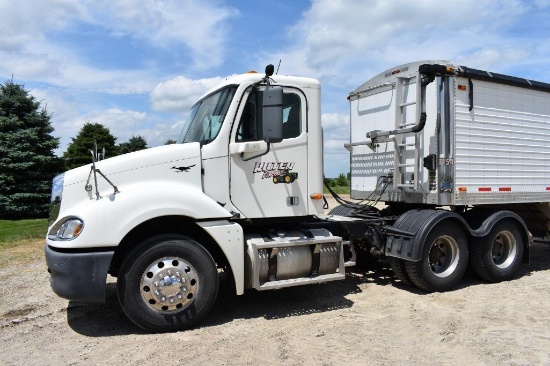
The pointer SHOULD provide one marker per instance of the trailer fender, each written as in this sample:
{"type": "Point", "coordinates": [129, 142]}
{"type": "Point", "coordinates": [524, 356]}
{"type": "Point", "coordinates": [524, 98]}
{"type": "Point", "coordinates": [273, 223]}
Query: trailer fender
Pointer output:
{"type": "Point", "coordinates": [406, 237]}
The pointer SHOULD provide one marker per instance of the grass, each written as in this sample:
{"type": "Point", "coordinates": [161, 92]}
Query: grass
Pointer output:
{"type": "Point", "coordinates": [12, 231]}
{"type": "Point", "coordinates": [22, 241]}
{"type": "Point", "coordinates": [337, 190]}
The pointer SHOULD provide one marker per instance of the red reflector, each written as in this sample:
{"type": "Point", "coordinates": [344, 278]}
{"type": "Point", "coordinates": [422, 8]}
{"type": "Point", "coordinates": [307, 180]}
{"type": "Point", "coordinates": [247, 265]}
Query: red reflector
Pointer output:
{"type": "Point", "coordinates": [484, 189]}
{"type": "Point", "coordinates": [505, 189]}
{"type": "Point", "coordinates": [548, 188]}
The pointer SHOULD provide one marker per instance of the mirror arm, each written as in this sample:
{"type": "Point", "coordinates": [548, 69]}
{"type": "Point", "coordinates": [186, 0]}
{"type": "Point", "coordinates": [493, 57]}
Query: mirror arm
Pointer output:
{"type": "Point", "coordinates": [255, 156]}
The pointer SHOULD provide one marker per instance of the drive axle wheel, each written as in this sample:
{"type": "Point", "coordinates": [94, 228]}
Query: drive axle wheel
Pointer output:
{"type": "Point", "coordinates": [497, 256]}
{"type": "Point", "coordinates": [399, 268]}
{"type": "Point", "coordinates": [444, 259]}
{"type": "Point", "coordinates": [167, 283]}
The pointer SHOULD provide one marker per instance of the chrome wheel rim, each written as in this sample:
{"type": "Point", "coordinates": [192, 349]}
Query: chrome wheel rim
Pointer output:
{"type": "Point", "coordinates": [504, 249]}
{"type": "Point", "coordinates": [169, 284]}
{"type": "Point", "coordinates": [443, 256]}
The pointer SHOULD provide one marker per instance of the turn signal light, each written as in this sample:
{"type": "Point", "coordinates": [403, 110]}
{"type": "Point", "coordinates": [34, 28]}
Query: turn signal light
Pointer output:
{"type": "Point", "coordinates": [462, 189]}
{"type": "Point", "coordinates": [316, 196]}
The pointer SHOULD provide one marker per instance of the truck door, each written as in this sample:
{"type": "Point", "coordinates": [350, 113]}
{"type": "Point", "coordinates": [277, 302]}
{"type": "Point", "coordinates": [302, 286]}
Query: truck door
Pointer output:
{"type": "Point", "coordinates": [272, 184]}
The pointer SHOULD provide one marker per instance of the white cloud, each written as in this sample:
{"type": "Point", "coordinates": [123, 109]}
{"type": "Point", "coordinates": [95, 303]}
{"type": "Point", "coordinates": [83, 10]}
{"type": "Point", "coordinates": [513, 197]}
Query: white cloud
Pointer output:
{"type": "Point", "coordinates": [27, 21]}
{"type": "Point", "coordinates": [199, 25]}
{"type": "Point", "coordinates": [30, 47]}
{"type": "Point", "coordinates": [345, 42]}
{"type": "Point", "coordinates": [180, 93]}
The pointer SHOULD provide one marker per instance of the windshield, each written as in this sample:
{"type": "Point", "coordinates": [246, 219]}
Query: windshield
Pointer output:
{"type": "Point", "coordinates": [206, 117]}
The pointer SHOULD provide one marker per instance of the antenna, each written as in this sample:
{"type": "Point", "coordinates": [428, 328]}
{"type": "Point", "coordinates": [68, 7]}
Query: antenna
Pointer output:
{"type": "Point", "coordinates": [278, 67]}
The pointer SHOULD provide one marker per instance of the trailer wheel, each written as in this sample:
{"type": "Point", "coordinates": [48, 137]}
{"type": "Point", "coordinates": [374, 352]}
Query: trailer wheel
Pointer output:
{"type": "Point", "coordinates": [497, 256]}
{"type": "Point", "coordinates": [399, 269]}
{"type": "Point", "coordinates": [168, 283]}
{"type": "Point", "coordinates": [444, 259]}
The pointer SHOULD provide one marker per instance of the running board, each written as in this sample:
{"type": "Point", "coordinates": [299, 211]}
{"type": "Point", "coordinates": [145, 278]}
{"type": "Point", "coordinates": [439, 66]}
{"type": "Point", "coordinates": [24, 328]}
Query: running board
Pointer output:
{"type": "Point", "coordinates": [274, 285]}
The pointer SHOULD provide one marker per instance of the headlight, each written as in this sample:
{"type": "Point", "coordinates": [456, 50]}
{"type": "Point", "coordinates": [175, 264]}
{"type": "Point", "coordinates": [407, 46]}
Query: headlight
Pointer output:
{"type": "Point", "coordinates": [67, 229]}
{"type": "Point", "coordinates": [57, 192]}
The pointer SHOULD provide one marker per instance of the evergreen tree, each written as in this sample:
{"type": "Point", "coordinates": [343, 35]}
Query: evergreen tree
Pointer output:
{"type": "Point", "coordinates": [27, 160]}
{"type": "Point", "coordinates": [78, 151]}
{"type": "Point", "coordinates": [170, 142]}
{"type": "Point", "coordinates": [135, 143]}
{"type": "Point", "coordinates": [341, 180]}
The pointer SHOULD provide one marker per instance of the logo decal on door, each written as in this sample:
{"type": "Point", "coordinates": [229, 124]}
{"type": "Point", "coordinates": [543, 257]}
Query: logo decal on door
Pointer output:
{"type": "Point", "coordinates": [279, 172]}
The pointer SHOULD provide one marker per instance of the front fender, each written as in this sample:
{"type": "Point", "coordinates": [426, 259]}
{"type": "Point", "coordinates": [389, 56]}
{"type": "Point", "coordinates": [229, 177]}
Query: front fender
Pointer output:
{"type": "Point", "coordinates": [109, 219]}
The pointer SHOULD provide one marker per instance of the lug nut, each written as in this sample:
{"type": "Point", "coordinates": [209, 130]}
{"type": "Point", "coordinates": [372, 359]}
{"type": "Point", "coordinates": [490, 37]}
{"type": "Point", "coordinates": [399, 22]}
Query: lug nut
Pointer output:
{"type": "Point", "coordinates": [163, 299]}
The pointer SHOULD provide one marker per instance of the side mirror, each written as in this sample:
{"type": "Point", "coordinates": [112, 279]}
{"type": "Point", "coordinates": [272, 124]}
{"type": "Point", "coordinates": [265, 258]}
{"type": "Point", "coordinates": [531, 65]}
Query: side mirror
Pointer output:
{"type": "Point", "coordinates": [272, 114]}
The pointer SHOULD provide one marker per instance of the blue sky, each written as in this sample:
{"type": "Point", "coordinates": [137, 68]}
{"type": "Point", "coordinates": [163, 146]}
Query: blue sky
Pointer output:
{"type": "Point", "coordinates": [138, 66]}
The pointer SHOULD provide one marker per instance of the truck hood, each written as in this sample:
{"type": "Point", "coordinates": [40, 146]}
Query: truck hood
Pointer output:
{"type": "Point", "coordinates": [180, 162]}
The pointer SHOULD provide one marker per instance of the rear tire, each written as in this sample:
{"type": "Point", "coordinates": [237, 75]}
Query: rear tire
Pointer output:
{"type": "Point", "coordinates": [399, 269]}
{"type": "Point", "coordinates": [498, 256]}
{"type": "Point", "coordinates": [168, 283]}
{"type": "Point", "coordinates": [444, 259]}
{"type": "Point", "coordinates": [342, 211]}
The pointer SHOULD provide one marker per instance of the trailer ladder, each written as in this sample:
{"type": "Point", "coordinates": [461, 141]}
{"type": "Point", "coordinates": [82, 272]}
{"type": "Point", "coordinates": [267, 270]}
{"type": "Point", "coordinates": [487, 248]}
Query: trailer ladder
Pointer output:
{"type": "Point", "coordinates": [400, 142]}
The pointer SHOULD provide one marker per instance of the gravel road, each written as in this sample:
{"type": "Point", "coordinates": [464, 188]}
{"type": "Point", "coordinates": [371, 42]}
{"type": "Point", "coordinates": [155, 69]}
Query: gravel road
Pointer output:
{"type": "Point", "coordinates": [370, 318]}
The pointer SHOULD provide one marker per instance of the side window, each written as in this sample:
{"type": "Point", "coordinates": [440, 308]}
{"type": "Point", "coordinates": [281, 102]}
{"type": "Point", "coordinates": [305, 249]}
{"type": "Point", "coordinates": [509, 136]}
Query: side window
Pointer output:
{"type": "Point", "coordinates": [292, 116]}
{"type": "Point", "coordinates": [250, 125]}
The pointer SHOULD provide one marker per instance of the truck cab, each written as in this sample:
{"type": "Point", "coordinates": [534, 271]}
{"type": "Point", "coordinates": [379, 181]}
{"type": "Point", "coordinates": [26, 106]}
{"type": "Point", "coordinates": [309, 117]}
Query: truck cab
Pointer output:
{"type": "Point", "coordinates": [238, 192]}
{"type": "Point", "coordinates": [240, 170]}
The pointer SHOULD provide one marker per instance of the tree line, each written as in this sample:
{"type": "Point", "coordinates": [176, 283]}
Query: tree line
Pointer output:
{"type": "Point", "coordinates": [27, 159]}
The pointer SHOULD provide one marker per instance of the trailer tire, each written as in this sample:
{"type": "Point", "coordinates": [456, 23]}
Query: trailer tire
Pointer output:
{"type": "Point", "coordinates": [399, 269]}
{"type": "Point", "coordinates": [444, 259]}
{"type": "Point", "coordinates": [168, 283]}
{"type": "Point", "coordinates": [497, 256]}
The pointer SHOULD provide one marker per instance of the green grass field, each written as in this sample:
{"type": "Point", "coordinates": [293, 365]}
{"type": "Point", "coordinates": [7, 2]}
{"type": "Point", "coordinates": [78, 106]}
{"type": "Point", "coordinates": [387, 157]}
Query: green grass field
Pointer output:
{"type": "Point", "coordinates": [337, 190]}
{"type": "Point", "coordinates": [13, 231]}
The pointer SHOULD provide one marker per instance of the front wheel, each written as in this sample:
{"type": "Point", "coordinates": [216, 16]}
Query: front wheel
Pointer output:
{"type": "Point", "coordinates": [167, 283]}
{"type": "Point", "coordinates": [444, 259]}
{"type": "Point", "coordinates": [497, 256]}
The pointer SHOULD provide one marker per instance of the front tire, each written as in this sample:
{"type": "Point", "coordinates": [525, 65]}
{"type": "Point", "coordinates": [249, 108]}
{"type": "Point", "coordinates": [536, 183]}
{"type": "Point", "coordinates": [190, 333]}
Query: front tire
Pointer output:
{"type": "Point", "coordinates": [444, 259]}
{"type": "Point", "coordinates": [497, 256]}
{"type": "Point", "coordinates": [168, 283]}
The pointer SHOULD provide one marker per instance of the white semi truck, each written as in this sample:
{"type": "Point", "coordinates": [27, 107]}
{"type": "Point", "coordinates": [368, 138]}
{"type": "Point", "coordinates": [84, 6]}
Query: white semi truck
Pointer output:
{"type": "Point", "coordinates": [460, 158]}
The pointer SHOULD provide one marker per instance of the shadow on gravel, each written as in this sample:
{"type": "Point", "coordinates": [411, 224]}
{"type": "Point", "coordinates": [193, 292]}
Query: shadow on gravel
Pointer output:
{"type": "Point", "coordinates": [108, 319]}
{"type": "Point", "coordinates": [101, 320]}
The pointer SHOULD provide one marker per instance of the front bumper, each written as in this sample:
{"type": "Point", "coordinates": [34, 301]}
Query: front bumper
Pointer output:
{"type": "Point", "coordinates": [79, 276]}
